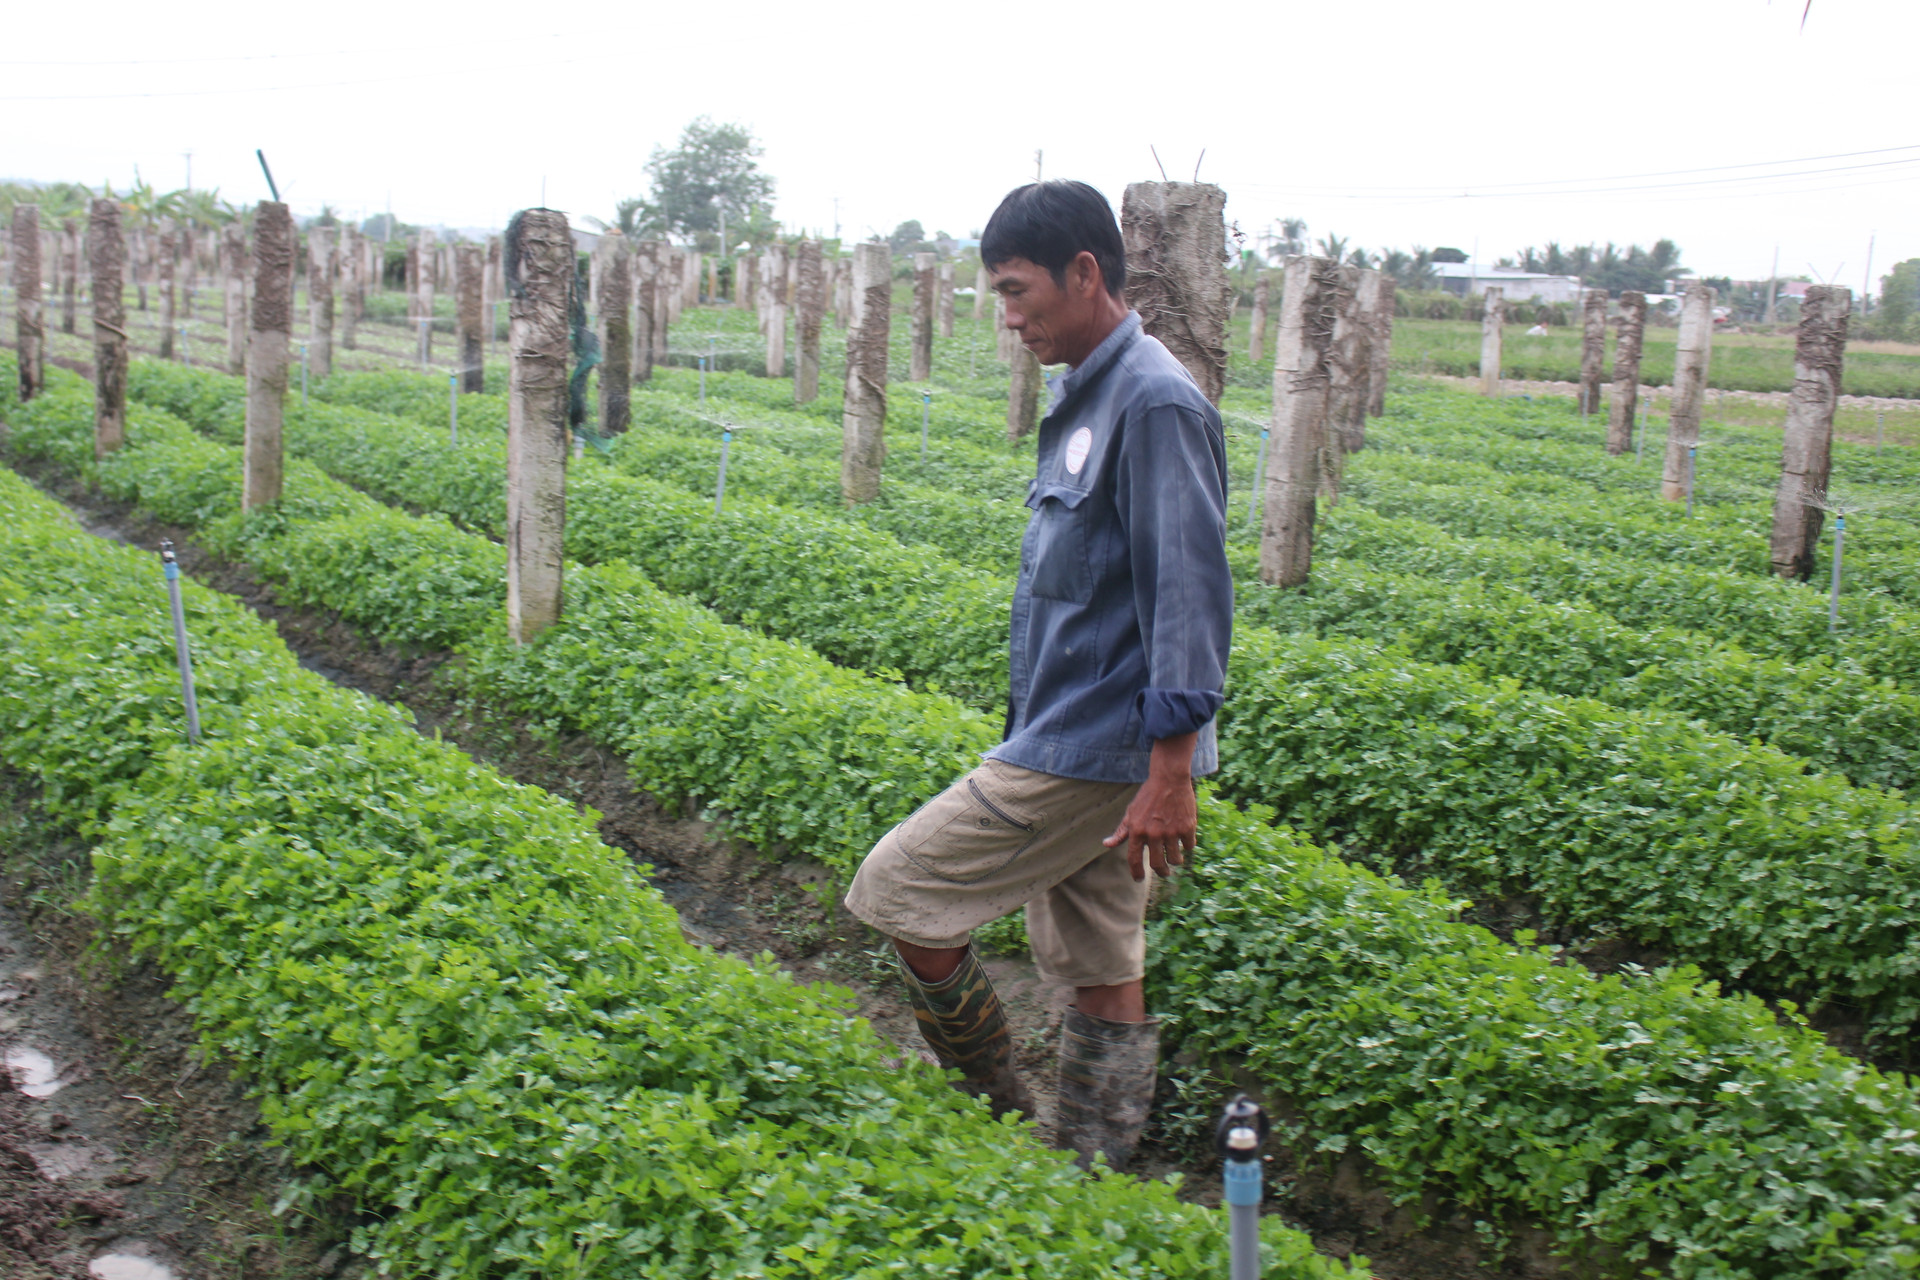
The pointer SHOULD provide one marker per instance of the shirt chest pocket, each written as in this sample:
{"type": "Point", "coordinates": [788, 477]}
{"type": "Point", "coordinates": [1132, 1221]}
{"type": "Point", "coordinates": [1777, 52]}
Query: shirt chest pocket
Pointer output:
{"type": "Point", "coordinates": [1062, 565]}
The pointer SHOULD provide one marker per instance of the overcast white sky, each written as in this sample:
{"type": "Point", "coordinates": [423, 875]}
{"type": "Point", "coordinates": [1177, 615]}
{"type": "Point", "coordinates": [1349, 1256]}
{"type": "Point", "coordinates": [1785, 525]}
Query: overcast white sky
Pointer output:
{"type": "Point", "coordinates": [1389, 122]}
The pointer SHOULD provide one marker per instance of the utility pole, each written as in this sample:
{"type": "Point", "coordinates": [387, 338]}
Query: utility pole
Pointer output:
{"type": "Point", "coordinates": [1037, 170]}
{"type": "Point", "coordinates": [1866, 283]}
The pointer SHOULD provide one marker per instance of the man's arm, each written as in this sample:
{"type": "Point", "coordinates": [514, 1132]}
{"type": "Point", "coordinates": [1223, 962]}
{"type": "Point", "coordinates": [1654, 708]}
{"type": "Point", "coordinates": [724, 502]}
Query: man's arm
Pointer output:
{"type": "Point", "coordinates": [1171, 495]}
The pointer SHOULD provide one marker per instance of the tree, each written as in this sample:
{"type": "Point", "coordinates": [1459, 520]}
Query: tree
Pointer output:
{"type": "Point", "coordinates": [713, 171]}
{"type": "Point", "coordinates": [908, 237]}
{"type": "Point", "coordinates": [1899, 300]}
{"type": "Point", "coordinates": [1333, 246]}
{"type": "Point", "coordinates": [1293, 236]}
{"type": "Point", "coordinates": [1446, 254]}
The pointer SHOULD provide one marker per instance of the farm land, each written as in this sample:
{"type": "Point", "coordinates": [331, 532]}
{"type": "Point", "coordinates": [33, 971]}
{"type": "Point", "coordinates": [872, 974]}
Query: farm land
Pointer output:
{"type": "Point", "coordinates": [1557, 892]}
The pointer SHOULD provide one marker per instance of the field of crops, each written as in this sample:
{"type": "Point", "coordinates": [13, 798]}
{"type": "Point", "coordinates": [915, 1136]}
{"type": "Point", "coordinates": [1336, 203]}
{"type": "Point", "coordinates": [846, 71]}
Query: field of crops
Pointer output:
{"type": "Point", "coordinates": [1518, 686]}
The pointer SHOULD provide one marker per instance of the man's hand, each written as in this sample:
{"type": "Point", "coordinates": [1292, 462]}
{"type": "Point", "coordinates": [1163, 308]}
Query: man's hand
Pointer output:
{"type": "Point", "coordinates": [1163, 822]}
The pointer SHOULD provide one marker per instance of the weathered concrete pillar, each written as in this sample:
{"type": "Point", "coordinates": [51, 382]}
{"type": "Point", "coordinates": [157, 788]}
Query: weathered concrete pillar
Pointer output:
{"type": "Point", "coordinates": [663, 291]}
{"type": "Point", "coordinates": [189, 270]}
{"type": "Point", "coordinates": [773, 308]}
{"type": "Point", "coordinates": [943, 306]}
{"type": "Point", "coordinates": [982, 294]}
{"type": "Point", "coordinates": [70, 274]}
{"type": "Point", "coordinates": [1491, 337]}
{"type": "Point", "coordinates": [1257, 326]}
{"type": "Point", "coordinates": [169, 253]}
{"type": "Point", "coordinates": [108, 252]}
{"type": "Point", "coordinates": [646, 262]}
{"type": "Point", "coordinates": [1347, 367]}
{"type": "Point", "coordinates": [272, 331]}
{"type": "Point", "coordinates": [810, 304]}
{"type": "Point", "coordinates": [1626, 371]}
{"type": "Point", "coordinates": [1593, 348]}
{"type": "Point", "coordinates": [1352, 428]}
{"type": "Point", "coordinates": [690, 278]}
{"type": "Point", "coordinates": [233, 253]}
{"type": "Point", "coordinates": [1023, 394]}
{"type": "Point", "coordinates": [713, 279]}
{"type": "Point", "coordinates": [746, 283]}
{"type": "Point", "coordinates": [320, 269]}
{"type": "Point", "coordinates": [1380, 346]}
{"type": "Point", "coordinates": [1689, 389]}
{"type": "Point", "coordinates": [863, 442]}
{"type": "Point", "coordinates": [1309, 306]}
{"type": "Point", "coordinates": [353, 273]}
{"type": "Point", "coordinates": [616, 362]}
{"type": "Point", "coordinates": [539, 264]}
{"type": "Point", "coordinates": [140, 262]}
{"type": "Point", "coordinates": [1806, 459]}
{"type": "Point", "coordinates": [1006, 341]}
{"type": "Point", "coordinates": [1176, 243]}
{"type": "Point", "coordinates": [469, 316]}
{"type": "Point", "coordinates": [673, 283]}
{"type": "Point", "coordinates": [423, 266]}
{"type": "Point", "coordinates": [843, 292]}
{"type": "Point", "coordinates": [920, 323]}
{"type": "Point", "coordinates": [30, 339]}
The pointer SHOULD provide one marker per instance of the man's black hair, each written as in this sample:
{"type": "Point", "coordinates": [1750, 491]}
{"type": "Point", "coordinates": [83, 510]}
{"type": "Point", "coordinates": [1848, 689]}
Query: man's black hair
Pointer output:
{"type": "Point", "coordinates": [1050, 224]}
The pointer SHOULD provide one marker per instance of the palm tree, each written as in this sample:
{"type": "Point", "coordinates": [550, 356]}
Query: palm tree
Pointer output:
{"type": "Point", "coordinates": [1333, 246]}
{"type": "Point", "coordinates": [1293, 235]}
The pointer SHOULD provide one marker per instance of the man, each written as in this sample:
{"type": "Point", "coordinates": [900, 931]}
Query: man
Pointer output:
{"type": "Point", "coordinates": [1122, 616]}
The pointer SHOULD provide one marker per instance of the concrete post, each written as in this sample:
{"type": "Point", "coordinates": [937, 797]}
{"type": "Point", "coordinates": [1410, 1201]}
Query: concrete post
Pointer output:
{"type": "Point", "coordinates": [843, 292]}
{"type": "Point", "coordinates": [1006, 342]}
{"type": "Point", "coordinates": [469, 313]}
{"type": "Point", "coordinates": [982, 294]}
{"type": "Point", "coordinates": [1176, 243]}
{"type": "Point", "coordinates": [69, 275]}
{"type": "Point", "coordinates": [1023, 394]}
{"type": "Point", "coordinates": [1347, 366]}
{"type": "Point", "coordinates": [809, 310]}
{"type": "Point", "coordinates": [1380, 346]}
{"type": "Point", "coordinates": [539, 270]}
{"type": "Point", "coordinates": [746, 283]}
{"type": "Point", "coordinates": [920, 328]}
{"type": "Point", "coordinates": [1308, 309]}
{"type": "Point", "coordinates": [673, 283]}
{"type": "Point", "coordinates": [169, 253]}
{"type": "Point", "coordinates": [108, 252]}
{"type": "Point", "coordinates": [422, 264]}
{"type": "Point", "coordinates": [233, 254]}
{"type": "Point", "coordinates": [1689, 389]}
{"type": "Point", "coordinates": [1593, 348]}
{"type": "Point", "coordinates": [663, 291]}
{"type": "Point", "coordinates": [1626, 372]}
{"type": "Point", "coordinates": [30, 339]}
{"type": "Point", "coordinates": [271, 332]}
{"type": "Point", "coordinates": [353, 270]}
{"type": "Point", "coordinates": [1806, 459]}
{"type": "Point", "coordinates": [616, 362]}
{"type": "Point", "coordinates": [320, 267]}
{"type": "Point", "coordinates": [773, 308]}
{"type": "Point", "coordinates": [863, 444]}
{"type": "Point", "coordinates": [646, 266]}
{"type": "Point", "coordinates": [1257, 326]}
{"type": "Point", "coordinates": [943, 287]}
{"type": "Point", "coordinates": [1491, 337]}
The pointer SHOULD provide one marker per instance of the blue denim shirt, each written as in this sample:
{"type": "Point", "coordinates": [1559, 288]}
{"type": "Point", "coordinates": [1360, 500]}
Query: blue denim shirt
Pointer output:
{"type": "Point", "coordinates": [1123, 611]}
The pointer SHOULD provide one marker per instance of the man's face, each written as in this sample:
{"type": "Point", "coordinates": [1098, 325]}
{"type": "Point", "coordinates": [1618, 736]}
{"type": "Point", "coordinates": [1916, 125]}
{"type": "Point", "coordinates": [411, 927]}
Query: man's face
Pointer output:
{"type": "Point", "coordinates": [1048, 319]}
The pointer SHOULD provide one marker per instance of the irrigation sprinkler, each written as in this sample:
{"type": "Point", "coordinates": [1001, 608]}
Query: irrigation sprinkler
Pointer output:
{"type": "Point", "coordinates": [703, 382]}
{"type": "Point", "coordinates": [1259, 470]}
{"type": "Point", "coordinates": [926, 408]}
{"type": "Point", "coordinates": [453, 409]}
{"type": "Point", "coordinates": [1833, 593]}
{"type": "Point", "coordinates": [1692, 453]}
{"type": "Point", "coordinates": [303, 375]}
{"type": "Point", "coordinates": [1242, 1132]}
{"type": "Point", "coordinates": [720, 488]}
{"type": "Point", "coordinates": [180, 651]}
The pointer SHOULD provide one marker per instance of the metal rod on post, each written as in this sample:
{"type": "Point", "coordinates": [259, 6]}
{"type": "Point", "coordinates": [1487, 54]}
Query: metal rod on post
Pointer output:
{"type": "Point", "coordinates": [926, 410]}
{"type": "Point", "coordinates": [720, 489]}
{"type": "Point", "coordinates": [1833, 596]}
{"type": "Point", "coordinates": [1259, 472]}
{"type": "Point", "coordinates": [453, 409]}
{"type": "Point", "coordinates": [1241, 1133]}
{"type": "Point", "coordinates": [181, 653]}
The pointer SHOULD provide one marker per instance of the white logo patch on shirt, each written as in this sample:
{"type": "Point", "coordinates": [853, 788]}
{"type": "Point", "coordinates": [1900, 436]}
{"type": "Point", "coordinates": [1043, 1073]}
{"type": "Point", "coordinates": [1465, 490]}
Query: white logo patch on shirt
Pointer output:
{"type": "Point", "coordinates": [1077, 446]}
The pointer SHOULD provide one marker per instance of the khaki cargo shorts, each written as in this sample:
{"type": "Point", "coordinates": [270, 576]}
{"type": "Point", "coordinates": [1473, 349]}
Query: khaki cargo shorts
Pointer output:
{"type": "Point", "coordinates": [1001, 837]}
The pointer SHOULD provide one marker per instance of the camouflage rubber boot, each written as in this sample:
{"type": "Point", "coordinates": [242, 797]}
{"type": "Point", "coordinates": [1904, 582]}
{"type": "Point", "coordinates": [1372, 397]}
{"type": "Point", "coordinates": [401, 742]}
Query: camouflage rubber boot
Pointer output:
{"type": "Point", "coordinates": [963, 1024]}
{"type": "Point", "coordinates": [1107, 1075]}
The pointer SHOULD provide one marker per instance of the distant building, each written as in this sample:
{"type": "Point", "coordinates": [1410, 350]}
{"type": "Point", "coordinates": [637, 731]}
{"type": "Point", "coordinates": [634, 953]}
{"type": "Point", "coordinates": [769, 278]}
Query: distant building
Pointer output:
{"type": "Point", "coordinates": [1463, 279]}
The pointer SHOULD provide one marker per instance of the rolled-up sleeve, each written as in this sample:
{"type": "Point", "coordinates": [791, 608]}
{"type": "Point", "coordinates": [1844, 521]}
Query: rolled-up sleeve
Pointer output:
{"type": "Point", "coordinates": [1170, 486]}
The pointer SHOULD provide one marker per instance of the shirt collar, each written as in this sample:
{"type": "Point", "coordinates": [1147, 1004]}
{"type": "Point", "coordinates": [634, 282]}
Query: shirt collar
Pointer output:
{"type": "Point", "coordinates": [1063, 385]}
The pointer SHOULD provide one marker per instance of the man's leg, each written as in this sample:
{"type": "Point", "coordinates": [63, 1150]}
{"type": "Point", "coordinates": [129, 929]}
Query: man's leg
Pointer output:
{"type": "Point", "coordinates": [1088, 931]}
{"type": "Point", "coordinates": [962, 1022]}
